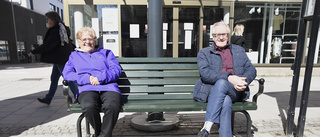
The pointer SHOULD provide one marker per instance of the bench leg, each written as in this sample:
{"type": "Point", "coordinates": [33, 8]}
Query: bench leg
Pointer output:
{"type": "Point", "coordinates": [65, 92]}
{"type": "Point", "coordinates": [87, 128]}
{"type": "Point", "coordinates": [79, 125]}
{"type": "Point", "coordinates": [249, 123]}
{"type": "Point", "coordinates": [232, 120]}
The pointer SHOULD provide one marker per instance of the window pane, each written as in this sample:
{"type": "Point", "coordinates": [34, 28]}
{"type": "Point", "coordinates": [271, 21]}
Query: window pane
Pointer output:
{"type": "Point", "coordinates": [4, 50]}
{"type": "Point", "coordinates": [134, 15]}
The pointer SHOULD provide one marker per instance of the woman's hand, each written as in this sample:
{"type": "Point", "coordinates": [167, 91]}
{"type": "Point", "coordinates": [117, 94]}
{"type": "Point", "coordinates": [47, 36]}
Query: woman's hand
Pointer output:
{"type": "Point", "coordinates": [239, 83]}
{"type": "Point", "coordinates": [94, 80]}
{"type": "Point", "coordinates": [30, 54]}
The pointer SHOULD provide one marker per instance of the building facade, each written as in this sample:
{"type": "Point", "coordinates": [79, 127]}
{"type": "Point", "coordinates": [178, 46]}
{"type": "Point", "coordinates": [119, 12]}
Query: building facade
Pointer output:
{"type": "Point", "coordinates": [271, 26]}
{"type": "Point", "coordinates": [41, 6]}
{"type": "Point", "coordinates": [23, 27]}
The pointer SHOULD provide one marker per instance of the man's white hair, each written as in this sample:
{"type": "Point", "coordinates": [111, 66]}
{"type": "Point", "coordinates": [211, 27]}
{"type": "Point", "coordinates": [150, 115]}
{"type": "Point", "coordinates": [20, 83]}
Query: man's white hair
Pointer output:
{"type": "Point", "coordinates": [219, 24]}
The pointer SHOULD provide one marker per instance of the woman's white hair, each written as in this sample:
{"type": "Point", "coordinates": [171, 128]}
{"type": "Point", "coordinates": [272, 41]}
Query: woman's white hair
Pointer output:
{"type": "Point", "coordinates": [88, 30]}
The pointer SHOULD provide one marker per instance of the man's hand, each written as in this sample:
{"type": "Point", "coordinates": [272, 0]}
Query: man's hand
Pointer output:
{"type": "Point", "coordinates": [239, 83]}
{"type": "Point", "coordinates": [94, 80]}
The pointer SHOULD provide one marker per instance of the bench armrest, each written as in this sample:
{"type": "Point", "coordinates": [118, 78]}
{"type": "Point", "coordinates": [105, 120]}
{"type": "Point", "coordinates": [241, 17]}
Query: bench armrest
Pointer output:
{"type": "Point", "coordinates": [66, 93]}
{"type": "Point", "coordinates": [65, 82]}
{"type": "Point", "coordinates": [260, 90]}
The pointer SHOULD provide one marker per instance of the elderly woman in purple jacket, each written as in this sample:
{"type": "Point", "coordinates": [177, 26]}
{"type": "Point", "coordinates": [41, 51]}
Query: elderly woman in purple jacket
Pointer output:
{"type": "Point", "coordinates": [225, 72]}
{"type": "Point", "coordinates": [96, 72]}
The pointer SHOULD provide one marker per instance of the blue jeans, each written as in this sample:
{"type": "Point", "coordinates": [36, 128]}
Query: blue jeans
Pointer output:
{"type": "Point", "coordinates": [55, 76]}
{"type": "Point", "coordinates": [219, 108]}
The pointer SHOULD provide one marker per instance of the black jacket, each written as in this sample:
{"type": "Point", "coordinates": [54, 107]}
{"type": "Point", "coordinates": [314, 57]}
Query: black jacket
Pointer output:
{"type": "Point", "coordinates": [51, 50]}
{"type": "Point", "coordinates": [239, 40]}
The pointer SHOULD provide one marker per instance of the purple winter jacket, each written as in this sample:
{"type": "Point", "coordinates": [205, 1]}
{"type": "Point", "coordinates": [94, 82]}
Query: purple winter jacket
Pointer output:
{"type": "Point", "coordinates": [100, 63]}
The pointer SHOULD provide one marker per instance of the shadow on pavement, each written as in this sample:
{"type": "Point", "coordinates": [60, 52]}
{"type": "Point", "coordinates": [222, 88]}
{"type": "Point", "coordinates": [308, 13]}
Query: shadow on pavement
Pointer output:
{"type": "Point", "coordinates": [283, 98]}
{"type": "Point", "coordinates": [24, 65]}
{"type": "Point", "coordinates": [22, 113]}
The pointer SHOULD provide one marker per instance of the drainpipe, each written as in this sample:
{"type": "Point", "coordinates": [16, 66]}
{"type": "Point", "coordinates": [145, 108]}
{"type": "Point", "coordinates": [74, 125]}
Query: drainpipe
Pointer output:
{"type": "Point", "coordinates": [15, 32]}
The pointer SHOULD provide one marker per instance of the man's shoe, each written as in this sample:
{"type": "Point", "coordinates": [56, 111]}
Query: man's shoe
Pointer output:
{"type": "Point", "coordinates": [42, 100]}
{"type": "Point", "coordinates": [203, 133]}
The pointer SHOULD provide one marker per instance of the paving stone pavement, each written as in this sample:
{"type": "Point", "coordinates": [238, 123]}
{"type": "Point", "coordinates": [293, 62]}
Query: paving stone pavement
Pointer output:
{"type": "Point", "coordinates": [21, 115]}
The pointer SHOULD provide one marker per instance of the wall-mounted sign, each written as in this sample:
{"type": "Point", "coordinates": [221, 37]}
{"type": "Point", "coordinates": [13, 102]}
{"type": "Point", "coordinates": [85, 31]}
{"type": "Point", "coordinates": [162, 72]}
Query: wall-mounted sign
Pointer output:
{"type": "Point", "coordinates": [134, 31]}
{"type": "Point", "coordinates": [310, 8]}
{"type": "Point", "coordinates": [110, 28]}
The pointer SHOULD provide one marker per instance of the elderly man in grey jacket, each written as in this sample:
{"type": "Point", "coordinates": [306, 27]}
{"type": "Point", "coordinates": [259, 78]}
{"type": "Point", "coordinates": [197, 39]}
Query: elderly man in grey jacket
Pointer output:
{"type": "Point", "coordinates": [225, 73]}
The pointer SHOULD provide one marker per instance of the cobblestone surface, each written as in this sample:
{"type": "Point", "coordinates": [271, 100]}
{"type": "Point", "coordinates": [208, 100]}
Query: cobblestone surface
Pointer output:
{"type": "Point", "coordinates": [21, 115]}
{"type": "Point", "coordinates": [187, 127]}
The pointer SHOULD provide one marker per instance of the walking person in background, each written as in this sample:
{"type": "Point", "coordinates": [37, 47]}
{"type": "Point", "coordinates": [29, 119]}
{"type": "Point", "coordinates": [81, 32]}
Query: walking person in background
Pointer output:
{"type": "Point", "coordinates": [96, 71]}
{"type": "Point", "coordinates": [225, 72]}
{"type": "Point", "coordinates": [55, 49]}
{"type": "Point", "coordinates": [237, 37]}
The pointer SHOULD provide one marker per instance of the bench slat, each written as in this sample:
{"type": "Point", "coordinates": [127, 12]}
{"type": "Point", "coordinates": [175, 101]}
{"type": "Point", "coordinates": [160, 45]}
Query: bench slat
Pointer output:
{"type": "Point", "coordinates": [178, 89]}
{"type": "Point", "coordinates": [159, 66]}
{"type": "Point", "coordinates": [158, 60]}
{"type": "Point", "coordinates": [240, 106]}
{"type": "Point", "coordinates": [137, 82]}
{"type": "Point", "coordinates": [163, 97]}
{"type": "Point", "coordinates": [170, 106]}
{"type": "Point", "coordinates": [175, 74]}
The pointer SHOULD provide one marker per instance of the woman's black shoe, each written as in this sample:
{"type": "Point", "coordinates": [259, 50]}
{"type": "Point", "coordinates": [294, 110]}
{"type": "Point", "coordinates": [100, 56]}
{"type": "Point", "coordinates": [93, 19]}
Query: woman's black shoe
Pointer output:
{"type": "Point", "coordinates": [42, 100]}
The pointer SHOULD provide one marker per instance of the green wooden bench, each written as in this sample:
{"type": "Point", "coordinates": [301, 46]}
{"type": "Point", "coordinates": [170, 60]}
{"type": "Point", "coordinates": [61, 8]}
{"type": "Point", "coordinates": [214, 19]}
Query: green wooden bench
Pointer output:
{"type": "Point", "coordinates": [164, 85]}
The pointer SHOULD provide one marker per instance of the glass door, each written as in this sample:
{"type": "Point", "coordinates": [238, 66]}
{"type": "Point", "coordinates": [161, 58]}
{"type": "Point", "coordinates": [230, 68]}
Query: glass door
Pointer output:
{"type": "Point", "coordinates": [188, 32]}
{"type": "Point", "coordinates": [181, 25]}
{"type": "Point", "coordinates": [210, 16]}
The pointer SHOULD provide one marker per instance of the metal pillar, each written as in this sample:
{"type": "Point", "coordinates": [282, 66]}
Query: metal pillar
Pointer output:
{"type": "Point", "coordinates": [154, 28]}
{"type": "Point", "coordinates": [296, 71]}
{"type": "Point", "coordinates": [155, 41]}
{"type": "Point", "coordinates": [155, 121]}
{"type": "Point", "coordinates": [308, 71]}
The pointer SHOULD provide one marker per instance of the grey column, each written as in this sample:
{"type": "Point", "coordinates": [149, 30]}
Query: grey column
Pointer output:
{"type": "Point", "coordinates": [155, 28]}
{"type": "Point", "coordinates": [155, 41]}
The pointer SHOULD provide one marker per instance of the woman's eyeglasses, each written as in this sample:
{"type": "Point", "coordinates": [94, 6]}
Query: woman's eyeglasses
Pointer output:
{"type": "Point", "coordinates": [86, 39]}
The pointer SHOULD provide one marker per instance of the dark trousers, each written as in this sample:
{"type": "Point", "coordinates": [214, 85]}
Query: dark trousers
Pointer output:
{"type": "Point", "coordinates": [55, 76]}
{"type": "Point", "coordinates": [91, 103]}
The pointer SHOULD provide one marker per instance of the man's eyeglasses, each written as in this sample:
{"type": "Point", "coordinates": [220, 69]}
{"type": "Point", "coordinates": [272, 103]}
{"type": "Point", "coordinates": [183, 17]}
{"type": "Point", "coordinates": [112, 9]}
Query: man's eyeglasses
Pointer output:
{"type": "Point", "coordinates": [85, 39]}
{"type": "Point", "coordinates": [220, 34]}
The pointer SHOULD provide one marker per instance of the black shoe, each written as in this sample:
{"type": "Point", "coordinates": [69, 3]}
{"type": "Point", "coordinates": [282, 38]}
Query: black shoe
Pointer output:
{"type": "Point", "coordinates": [42, 100]}
{"type": "Point", "coordinates": [76, 102]}
{"type": "Point", "coordinates": [203, 133]}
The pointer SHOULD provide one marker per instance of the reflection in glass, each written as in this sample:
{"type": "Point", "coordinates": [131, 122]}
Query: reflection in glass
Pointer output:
{"type": "Point", "coordinates": [21, 50]}
{"type": "Point", "coordinates": [210, 16]}
{"type": "Point", "coordinates": [285, 25]}
{"type": "Point", "coordinates": [4, 50]}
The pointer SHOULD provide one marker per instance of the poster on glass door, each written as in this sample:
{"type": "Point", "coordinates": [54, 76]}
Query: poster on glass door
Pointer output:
{"type": "Point", "coordinates": [110, 26]}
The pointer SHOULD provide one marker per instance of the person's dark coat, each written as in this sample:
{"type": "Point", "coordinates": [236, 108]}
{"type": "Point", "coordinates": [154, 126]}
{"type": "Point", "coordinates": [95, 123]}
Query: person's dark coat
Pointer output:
{"type": "Point", "coordinates": [239, 40]}
{"type": "Point", "coordinates": [210, 69]}
{"type": "Point", "coordinates": [51, 50]}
